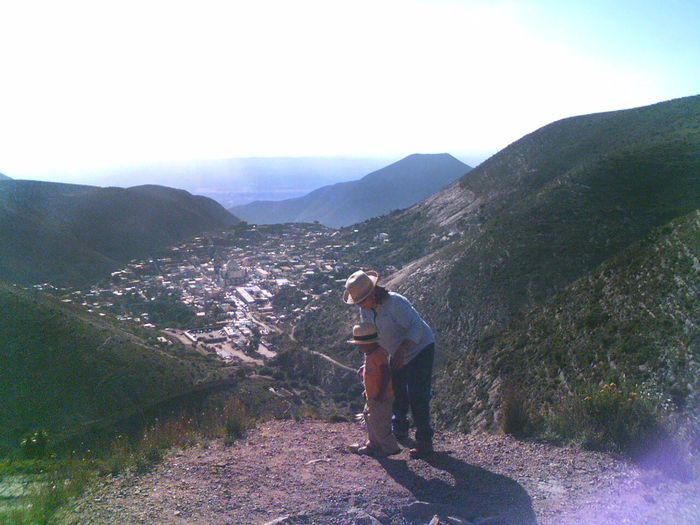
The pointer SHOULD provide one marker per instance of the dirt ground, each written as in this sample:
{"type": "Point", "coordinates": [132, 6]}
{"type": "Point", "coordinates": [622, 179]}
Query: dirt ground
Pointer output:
{"type": "Point", "coordinates": [287, 472]}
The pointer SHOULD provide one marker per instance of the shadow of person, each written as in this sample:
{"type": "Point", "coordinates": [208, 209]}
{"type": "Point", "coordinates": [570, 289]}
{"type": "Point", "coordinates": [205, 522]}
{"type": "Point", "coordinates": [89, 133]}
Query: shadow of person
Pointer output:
{"type": "Point", "coordinates": [471, 493]}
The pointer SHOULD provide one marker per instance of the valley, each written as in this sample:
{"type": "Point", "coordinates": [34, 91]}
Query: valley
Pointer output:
{"type": "Point", "coordinates": [219, 293]}
{"type": "Point", "coordinates": [560, 276]}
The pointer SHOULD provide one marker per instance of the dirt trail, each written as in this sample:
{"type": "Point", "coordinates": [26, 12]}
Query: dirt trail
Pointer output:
{"type": "Point", "coordinates": [335, 363]}
{"type": "Point", "coordinates": [301, 473]}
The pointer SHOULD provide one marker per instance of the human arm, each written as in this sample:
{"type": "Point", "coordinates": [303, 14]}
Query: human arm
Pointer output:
{"type": "Point", "coordinates": [410, 324]}
{"type": "Point", "coordinates": [384, 379]}
{"type": "Point", "coordinates": [399, 358]}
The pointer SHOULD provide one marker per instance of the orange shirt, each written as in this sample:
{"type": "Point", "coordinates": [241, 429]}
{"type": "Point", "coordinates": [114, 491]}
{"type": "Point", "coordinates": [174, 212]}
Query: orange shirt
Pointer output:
{"type": "Point", "coordinates": [377, 373]}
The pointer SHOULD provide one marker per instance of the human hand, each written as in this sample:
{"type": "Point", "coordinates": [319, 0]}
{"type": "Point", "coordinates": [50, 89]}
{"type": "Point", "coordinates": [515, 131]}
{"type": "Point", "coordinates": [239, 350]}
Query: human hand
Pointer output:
{"type": "Point", "coordinates": [397, 361]}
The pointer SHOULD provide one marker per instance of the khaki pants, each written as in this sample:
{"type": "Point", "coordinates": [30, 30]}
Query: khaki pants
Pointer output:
{"type": "Point", "coordinates": [378, 419]}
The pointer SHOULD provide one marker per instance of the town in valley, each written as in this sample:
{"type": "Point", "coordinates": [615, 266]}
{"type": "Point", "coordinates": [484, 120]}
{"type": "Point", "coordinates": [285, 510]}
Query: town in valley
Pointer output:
{"type": "Point", "coordinates": [223, 293]}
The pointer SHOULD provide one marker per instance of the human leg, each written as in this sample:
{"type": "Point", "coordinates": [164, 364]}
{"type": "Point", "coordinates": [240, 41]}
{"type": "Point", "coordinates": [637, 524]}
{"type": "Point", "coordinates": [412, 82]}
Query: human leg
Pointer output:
{"type": "Point", "coordinates": [401, 403]}
{"type": "Point", "coordinates": [419, 373]}
{"type": "Point", "coordinates": [379, 427]}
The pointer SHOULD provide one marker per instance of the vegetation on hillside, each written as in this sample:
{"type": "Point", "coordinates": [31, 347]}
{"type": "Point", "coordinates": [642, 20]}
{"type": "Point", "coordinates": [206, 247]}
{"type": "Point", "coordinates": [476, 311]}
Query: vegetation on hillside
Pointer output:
{"type": "Point", "coordinates": [63, 369]}
{"type": "Point", "coordinates": [52, 480]}
{"type": "Point", "coordinates": [610, 359]}
{"type": "Point", "coordinates": [553, 206]}
{"type": "Point", "coordinates": [68, 234]}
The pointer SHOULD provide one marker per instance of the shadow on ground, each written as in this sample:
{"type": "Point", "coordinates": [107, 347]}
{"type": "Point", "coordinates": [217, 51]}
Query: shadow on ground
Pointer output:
{"type": "Point", "coordinates": [474, 493]}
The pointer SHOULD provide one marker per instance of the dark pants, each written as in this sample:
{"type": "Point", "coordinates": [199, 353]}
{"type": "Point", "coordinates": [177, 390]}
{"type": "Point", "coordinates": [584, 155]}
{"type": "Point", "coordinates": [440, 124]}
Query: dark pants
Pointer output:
{"type": "Point", "coordinates": [412, 388]}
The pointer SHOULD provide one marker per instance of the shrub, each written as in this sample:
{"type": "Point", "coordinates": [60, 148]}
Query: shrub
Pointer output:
{"type": "Point", "coordinates": [514, 411]}
{"type": "Point", "coordinates": [180, 431]}
{"type": "Point", "coordinates": [119, 457]}
{"type": "Point", "coordinates": [35, 445]}
{"type": "Point", "coordinates": [611, 418]}
{"type": "Point", "coordinates": [236, 421]}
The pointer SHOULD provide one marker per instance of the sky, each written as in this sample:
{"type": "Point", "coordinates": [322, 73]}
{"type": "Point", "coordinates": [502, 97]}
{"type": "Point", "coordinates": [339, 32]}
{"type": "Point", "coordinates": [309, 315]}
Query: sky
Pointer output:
{"type": "Point", "coordinates": [95, 84]}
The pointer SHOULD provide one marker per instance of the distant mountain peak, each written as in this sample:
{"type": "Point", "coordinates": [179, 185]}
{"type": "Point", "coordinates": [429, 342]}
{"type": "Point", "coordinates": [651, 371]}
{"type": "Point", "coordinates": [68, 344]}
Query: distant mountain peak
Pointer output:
{"type": "Point", "coordinates": [396, 186]}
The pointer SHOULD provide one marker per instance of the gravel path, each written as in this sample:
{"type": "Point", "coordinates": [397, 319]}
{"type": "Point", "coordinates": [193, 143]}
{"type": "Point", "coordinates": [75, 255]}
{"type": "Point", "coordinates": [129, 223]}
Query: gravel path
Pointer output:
{"type": "Point", "coordinates": [301, 473]}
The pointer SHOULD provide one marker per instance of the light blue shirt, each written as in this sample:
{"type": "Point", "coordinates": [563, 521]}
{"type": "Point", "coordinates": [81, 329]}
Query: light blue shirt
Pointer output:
{"type": "Point", "coordinates": [397, 320]}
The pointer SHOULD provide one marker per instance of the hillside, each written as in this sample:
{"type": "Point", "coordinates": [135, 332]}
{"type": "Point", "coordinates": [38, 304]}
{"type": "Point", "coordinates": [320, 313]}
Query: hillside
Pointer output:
{"type": "Point", "coordinates": [396, 186]}
{"type": "Point", "coordinates": [538, 215]}
{"type": "Point", "coordinates": [63, 369]}
{"type": "Point", "coordinates": [525, 224]}
{"type": "Point", "coordinates": [544, 211]}
{"type": "Point", "coordinates": [67, 233]}
{"type": "Point", "coordinates": [632, 322]}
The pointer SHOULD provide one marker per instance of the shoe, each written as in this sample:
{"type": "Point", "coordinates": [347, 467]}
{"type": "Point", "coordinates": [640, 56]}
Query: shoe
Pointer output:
{"type": "Point", "coordinates": [363, 450]}
{"type": "Point", "coordinates": [422, 451]}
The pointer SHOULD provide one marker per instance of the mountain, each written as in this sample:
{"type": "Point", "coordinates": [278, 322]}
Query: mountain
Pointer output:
{"type": "Point", "coordinates": [236, 181]}
{"type": "Point", "coordinates": [524, 225]}
{"type": "Point", "coordinates": [546, 210]}
{"type": "Point", "coordinates": [396, 186]}
{"type": "Point", "coordinates": [68, 233]}
{"type": "Point", "coordinates": [62, 368]}
{"type": "Point", "coordinates": [633, 322]}
{"type": "Point", "coordinates": [3, 177]}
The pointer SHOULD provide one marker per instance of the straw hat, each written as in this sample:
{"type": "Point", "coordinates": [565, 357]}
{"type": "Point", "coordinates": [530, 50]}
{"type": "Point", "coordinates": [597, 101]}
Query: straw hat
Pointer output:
{"type": "Point", "coordinates": [359, 285]}
{"type": "Point", "coordinates": [364, 334]}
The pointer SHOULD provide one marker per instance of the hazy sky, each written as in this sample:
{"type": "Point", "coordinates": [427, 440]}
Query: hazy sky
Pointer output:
{"type": "Point", "coordinates": [94, 84]}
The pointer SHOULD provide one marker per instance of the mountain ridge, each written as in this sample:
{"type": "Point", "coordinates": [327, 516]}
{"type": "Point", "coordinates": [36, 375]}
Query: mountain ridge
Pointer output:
{"type": "Point", "coordinates": [396, 186]}
{"type": "Point", "coordinates": [518, 199]}
{"type": "Point", "coordinates": [68, 233]}
{"type": "Point", "coordinates": [236, 180]}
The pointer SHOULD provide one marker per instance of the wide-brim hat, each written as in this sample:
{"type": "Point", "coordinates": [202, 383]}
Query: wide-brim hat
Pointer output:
{"type": "Point", "coordinates": [364, 334]}
{"type": "Point", "coordinates": [359, 285]}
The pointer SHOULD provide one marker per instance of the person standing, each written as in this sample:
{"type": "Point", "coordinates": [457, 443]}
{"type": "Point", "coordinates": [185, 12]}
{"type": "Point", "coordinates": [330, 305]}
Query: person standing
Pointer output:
{"type": "Point", "coordinates": [411, 345]}
{"type": "Point", "coordinates": [379, 394]}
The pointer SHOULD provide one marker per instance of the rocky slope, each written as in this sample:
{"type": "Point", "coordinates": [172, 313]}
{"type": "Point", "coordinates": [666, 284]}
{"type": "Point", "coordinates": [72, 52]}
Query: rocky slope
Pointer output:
{"type": "Point", "coordinates": [632, 322]}
{"type": "Point", "coordinates": [549, 208]}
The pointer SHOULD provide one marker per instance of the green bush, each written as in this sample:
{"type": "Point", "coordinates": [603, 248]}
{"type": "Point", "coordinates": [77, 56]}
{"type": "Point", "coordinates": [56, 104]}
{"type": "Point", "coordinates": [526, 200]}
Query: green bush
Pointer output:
{"type": "Point", "coordinates": [514, 411]}
{"type": "Point", "coordinates": [236, 421]}
{"type": "Point", "coordinates": [234, 430]}
{"type": "Point", "coordinates": [35, 445]}
{"type": "Point", "coordinates": [611, 418]}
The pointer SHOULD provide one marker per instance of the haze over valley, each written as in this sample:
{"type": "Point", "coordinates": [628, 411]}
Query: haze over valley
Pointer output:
{"type": "Point", "coordinates": [231, 182]}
